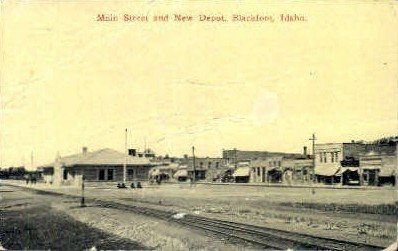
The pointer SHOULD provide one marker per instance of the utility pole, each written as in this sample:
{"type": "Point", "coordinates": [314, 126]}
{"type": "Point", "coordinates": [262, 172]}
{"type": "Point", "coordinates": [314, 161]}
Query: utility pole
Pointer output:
{"type": "Point", "coordinates": [31, 160]}
{"type": "Point", "coordinates": [82, 202]}
{"type": "Point", "coordinates": [313, 139]}
{"type": "Point", "coordinates": [236, 158]}
{"type": "Point", "coordinates": [125, 158]}
{"type": "Point", "coordinates": [193, 162]}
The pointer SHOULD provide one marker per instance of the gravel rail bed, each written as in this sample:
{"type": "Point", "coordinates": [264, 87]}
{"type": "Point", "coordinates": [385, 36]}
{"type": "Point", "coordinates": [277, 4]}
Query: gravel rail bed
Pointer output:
{"type": "Point", "coordinates": [256, 236]}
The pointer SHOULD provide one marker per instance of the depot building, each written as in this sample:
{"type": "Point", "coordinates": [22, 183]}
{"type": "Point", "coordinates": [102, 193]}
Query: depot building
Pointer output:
{"type": "Point", "coordinates": [104, 165]}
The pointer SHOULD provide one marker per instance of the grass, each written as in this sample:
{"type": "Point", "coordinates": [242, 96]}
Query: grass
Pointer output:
{"type": "Point", "coordinates": [383, 209]}
{"type": "Point", "coordinates": [39, 227]}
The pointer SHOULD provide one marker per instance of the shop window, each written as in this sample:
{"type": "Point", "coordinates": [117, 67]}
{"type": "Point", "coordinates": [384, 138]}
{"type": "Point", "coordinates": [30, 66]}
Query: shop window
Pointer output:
{"type": "Point", "coordinates": [101, 174]}
{"type": "Point", "coordinates": [110, 174]}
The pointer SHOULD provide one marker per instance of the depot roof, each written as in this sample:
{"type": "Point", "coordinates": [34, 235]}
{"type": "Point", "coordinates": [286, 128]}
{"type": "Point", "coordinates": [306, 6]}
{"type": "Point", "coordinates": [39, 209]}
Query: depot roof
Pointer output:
{"type": "Point", "coordinates": [100, 157]}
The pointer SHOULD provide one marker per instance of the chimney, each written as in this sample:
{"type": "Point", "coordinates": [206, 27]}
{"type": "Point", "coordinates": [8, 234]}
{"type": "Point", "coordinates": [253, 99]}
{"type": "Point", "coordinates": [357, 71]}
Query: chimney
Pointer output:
{"type": "Point", "coordinates": [133, 152]}
{"type": "Point", "coordinates": [84, 150]}
{"type": "Point", "coordinates": [305, 151]}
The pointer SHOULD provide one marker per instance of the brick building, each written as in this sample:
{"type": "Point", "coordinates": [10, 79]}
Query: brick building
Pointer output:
{"type": "Point", "coordinates": [234, 156]}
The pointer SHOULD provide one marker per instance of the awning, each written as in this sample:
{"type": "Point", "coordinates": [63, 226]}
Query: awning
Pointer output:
{"type": "Point", "coordinates": [345, 169]}
{"type": "Point", "coordinates": [327, 170]}
{"type": "Point", "coordinates": [371, 168]}
{"type": "Point", "coordinates": [155, 172]}
{"type": "Point", "coordinates": [181, 173]}
{"type": "Point", "coordinates": [242, 172]}
{"type": "Point", "coordinates": [272, 169]}
{"type": "Point", "coordinates": [243, 164]}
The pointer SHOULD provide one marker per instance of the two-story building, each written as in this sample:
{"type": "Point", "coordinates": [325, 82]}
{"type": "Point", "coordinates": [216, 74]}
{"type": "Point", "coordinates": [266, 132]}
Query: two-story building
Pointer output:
{"type": "Point", "coordinates": [340, 162]}
{"type": "Point", "coordinates": [205, 167]}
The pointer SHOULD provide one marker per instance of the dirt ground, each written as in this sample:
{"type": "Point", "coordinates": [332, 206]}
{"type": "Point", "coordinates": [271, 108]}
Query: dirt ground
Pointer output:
{"type": "Point", "coordinates": [31, 221]}
{"type": "Point", "coordinates": [365, 215]}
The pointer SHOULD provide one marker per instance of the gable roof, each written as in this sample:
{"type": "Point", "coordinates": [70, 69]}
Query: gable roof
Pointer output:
{"type": "Point", "coordinates": [104, 156]}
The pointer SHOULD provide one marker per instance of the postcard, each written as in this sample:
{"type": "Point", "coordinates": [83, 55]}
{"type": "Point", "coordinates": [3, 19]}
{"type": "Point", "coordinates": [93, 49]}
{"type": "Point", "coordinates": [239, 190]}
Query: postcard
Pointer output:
{"type": "Point", "coordinates": [198, 125]}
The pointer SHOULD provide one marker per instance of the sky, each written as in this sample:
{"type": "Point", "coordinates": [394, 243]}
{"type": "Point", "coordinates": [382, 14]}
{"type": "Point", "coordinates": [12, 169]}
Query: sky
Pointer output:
{"type": "Point", "coordinates": [68, 81]}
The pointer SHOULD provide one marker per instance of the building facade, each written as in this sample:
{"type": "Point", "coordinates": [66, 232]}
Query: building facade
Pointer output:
{"type": "Point", "coordinates": [378, 169]}
{"type": "Point", "coordinates": [282, 170]}
{"type": "Point", "coordinates": [205, 168]}
{"type": "Point", "coordinates": [340, 162]}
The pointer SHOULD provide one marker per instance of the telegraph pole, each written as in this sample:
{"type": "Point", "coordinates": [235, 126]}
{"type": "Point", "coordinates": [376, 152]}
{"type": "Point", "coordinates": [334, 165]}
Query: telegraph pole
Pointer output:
{"type": "Point", "coordinates": [82, 202]}
{"type": "Point", "coordinates": [193, 162]}
{"type": "Point", "coordinates": [236, 158]}
{"type": "Point", "coordinates": [125, 157]}
{"type": "Point", "coordinates": [313, 139]}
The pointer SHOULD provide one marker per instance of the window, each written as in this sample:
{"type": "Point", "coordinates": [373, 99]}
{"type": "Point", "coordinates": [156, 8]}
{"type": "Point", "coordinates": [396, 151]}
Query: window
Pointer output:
{"type": "Point", "coordinates": [258, 171]}
{"type": "Point", "coordinates": [101, 174]}
{"type": "Point", "coordinates": [336, 157]}
{"type": "Point", "coordinates": [110, 174]}
{"type": "Point", "coordinates": [217, 164]}
{"type": "Point", "coordinates": [332, 159]}
{"type": "Point", "coordinates": [279, 163]}
{"type": "Point", "coordinates": [65, 174]}
{"type": "Point", "coordinates": [320, 157]}
{"type": "Point", "coordinates": [324, 157]}
{"type": "Point", "coordinates": [209, 164]}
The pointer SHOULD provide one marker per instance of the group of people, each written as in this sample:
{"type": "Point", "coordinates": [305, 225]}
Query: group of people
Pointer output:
{"type": "Point", "coordinates": [158, 179]}
{"type": "Point", "coordinates": [30, 178]}
{"type": "Point", "coordinates": [122, 185]}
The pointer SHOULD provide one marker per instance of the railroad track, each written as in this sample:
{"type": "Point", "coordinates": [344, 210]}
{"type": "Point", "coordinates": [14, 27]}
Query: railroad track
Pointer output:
{"type": "Point", "coordinates": [256, 236]}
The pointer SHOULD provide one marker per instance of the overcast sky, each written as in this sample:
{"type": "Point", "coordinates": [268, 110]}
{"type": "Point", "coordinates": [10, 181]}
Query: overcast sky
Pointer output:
{"type": "Point", "coordinates": [69, 81]}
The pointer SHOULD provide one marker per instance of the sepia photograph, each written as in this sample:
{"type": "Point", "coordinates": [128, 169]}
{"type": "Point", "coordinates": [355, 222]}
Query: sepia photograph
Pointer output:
{"type": "Point", "coordinates": [198, 125]}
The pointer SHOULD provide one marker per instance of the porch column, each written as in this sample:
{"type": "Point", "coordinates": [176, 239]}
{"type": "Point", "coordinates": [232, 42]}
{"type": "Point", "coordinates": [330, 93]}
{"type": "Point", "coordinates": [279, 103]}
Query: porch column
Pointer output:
{"type": "Point", "coordinates": [342, 178]}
